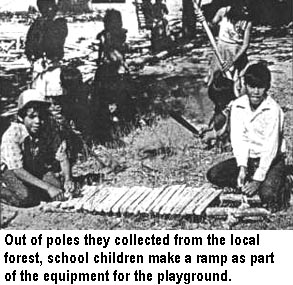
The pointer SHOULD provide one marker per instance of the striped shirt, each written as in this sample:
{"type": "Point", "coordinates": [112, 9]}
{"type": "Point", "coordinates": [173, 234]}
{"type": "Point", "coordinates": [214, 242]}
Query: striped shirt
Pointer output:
{"type": "Point", "coordinates": [17, 146]}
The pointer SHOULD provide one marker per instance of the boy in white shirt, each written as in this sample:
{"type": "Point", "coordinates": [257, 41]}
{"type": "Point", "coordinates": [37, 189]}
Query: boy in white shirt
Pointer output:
{"type": "Point", "coordinates": [258, 164]}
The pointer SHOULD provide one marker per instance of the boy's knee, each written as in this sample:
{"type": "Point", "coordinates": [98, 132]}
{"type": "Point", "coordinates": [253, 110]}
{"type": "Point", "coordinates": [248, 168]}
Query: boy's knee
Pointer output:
{"type": "Point", "coordinates": [16, 193]}
{"type": "Point", "coordinates": [18, 199]}
{"type": "Point", "coordinates": [275, 198]}
{"type": "Point", "coordinates": [26, 202]}
{"type": "Point", "coordinates": [211, 175]}
{"type": "Point", "coordinates": [50, 178]}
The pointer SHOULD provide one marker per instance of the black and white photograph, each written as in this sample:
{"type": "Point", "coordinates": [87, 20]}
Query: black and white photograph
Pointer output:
{"type": "Point", "coordinates": [146, 115]}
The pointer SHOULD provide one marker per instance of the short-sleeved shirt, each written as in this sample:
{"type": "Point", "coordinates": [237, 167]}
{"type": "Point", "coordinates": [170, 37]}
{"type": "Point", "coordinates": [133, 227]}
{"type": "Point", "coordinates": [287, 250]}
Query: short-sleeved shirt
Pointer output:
{"type": "Point", "coordinates": [36, 155]}
{"type": "Point", "coordinates": [229, 32]}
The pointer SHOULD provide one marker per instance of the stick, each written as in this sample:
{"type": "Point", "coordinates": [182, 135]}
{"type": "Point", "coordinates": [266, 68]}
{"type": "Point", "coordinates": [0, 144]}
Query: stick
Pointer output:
{"type": "Point", "coordinates": [213, 42]}
{"type": "Point", "coordinates": [238, 213]}
{"type": "Point", "coordinates": [9, 113]}
{"type": "Point", "coordinates": [183, 122]}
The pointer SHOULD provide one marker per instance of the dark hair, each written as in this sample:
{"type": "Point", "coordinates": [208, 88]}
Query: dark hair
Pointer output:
{"type": "Point", "coordinates": [240, 10]}
{"type": "Point", "coordinates": [221, 91]}
{"type": "Point", "coordinates": [43, 108]}
{"type": "Point", "coordinates": [43, 3]}
{"type": "Point", "coordinates": [112, 20]}
{"type": "Point", "coordinates": [258, 75]}
{"type": "Point", "coordinates": [70, 76]}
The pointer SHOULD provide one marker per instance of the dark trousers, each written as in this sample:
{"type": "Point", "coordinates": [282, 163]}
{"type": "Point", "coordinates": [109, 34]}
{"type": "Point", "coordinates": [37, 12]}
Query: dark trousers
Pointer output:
{"type": "Point", "coordinates": [16, 193]}
{"type": "Point", "coordinates": [273, 191]}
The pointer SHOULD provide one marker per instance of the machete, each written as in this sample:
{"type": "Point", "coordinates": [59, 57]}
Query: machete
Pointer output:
{"type": "Point", "coordinates": [182, 121]}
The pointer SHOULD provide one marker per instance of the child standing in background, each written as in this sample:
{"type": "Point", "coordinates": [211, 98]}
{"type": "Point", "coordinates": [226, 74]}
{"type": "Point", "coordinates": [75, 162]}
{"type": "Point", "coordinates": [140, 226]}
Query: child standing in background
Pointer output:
{"type": "Point", "coordinates": [46, 37]}
{"type": "Point", "coordinates": [235, 26]}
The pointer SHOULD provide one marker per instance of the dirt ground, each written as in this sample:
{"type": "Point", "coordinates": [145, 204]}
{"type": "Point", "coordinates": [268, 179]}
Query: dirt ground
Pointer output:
{"type": "Point", "coordinates": [185, 71]}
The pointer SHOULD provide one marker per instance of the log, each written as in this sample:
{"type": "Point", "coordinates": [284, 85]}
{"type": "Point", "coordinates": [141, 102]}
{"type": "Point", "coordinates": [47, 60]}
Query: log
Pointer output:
{"type": "Point", "coordinates": [192, 201]}
{"type": "Point", "coordinates": [103, 196]}
{"type": "Point", "coordinates": [149, 199]}
{"type": "Point", "coordinates": [115, 195]}
{"type": "Point", "coordinates": [88, 192]}
{"type": "Point", "coordinates": [236, 212]}
{"type": "Point", "coordinates": [238, 198]}
{"type": "Point", "coordinates": [165, 198]}
{"type": "Point", "coordinates": [184, 201]}
{"type": "Point", "coordinates": [137, 192]}
{"type": "Point", "coordinates": [134, 205]}
{"type": "Point", "coordinates": [168, 205]}
{"type": "Point", "coordinates": [150, 206]}
{"type": "Point", "coordinates": [115, 208]}
{"type": "Point", "coordinates": [204, 202]}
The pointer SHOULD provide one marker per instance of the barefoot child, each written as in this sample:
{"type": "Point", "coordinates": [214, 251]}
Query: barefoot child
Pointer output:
{"type": "Point", "coordinates": [31, 157]}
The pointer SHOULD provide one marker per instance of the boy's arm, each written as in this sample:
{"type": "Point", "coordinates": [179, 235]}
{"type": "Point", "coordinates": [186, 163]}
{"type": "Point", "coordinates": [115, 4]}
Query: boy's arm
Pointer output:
{"type": "Point", "coordinates": [65, 166]}
{"type": "Point", "coordinates": [27, 177]}
{"type": "Point", "coordinates": [246, 41]}
{"type": "Point", "coordinates": [66, 171]}
{"type": "Point", "coordinates": [62, 28]}
{"type": "Point", "coordinates": [239, 145]}
{"type": "Point", "coordinates": [273, 131]}
{"type": "Point", "coordinates": [218, 17]}
{"type": "Point", "coordinates": [33, 39]}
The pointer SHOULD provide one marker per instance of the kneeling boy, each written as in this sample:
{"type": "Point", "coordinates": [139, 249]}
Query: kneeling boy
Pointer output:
{"type": "Point", "coordinates": [32, 155]}
{"type": "Point", "coordinates": [257, 141]}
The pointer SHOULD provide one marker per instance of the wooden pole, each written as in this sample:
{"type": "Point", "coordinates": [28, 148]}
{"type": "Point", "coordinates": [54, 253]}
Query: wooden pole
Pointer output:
{"type": "Point", "coordinates": [237, 213]}
{"type": "Point", "coordinates": [212, 41]}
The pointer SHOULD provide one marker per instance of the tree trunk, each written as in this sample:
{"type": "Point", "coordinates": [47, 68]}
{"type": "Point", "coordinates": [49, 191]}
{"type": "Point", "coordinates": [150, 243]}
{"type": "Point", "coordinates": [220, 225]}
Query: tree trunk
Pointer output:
{"type": "Point", "coordinates": [188, 19]}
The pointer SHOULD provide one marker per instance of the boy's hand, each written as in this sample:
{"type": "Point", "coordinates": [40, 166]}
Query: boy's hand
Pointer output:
{"type": "Point", "coordinates": [69, 186]}
{"type": "Point", "coordinates": [202, 129]}
{"type": "Point", "coordinates": [199, 15]}
{"type": "Point", "coordinates": [227, 65]}
{"type": "Point", "coordinates": [241, 177]}
{"type": "Point", "coordinates": [251, 188]}
{"type": "Point", "coordinates": [55, 193]}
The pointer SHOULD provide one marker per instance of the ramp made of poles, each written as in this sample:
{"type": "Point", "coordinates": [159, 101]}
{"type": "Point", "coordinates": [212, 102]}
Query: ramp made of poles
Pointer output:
{"type": "Point", "coordinates": [179, 200]}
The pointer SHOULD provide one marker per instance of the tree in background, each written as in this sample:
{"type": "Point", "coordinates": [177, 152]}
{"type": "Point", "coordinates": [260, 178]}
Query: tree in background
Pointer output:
{"type": "Point", "coordinates": [264, 12]}
{"type": "Point", "coordinates": [74, 6]}
{"type": "Point", "coordinates": [188, 19]}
